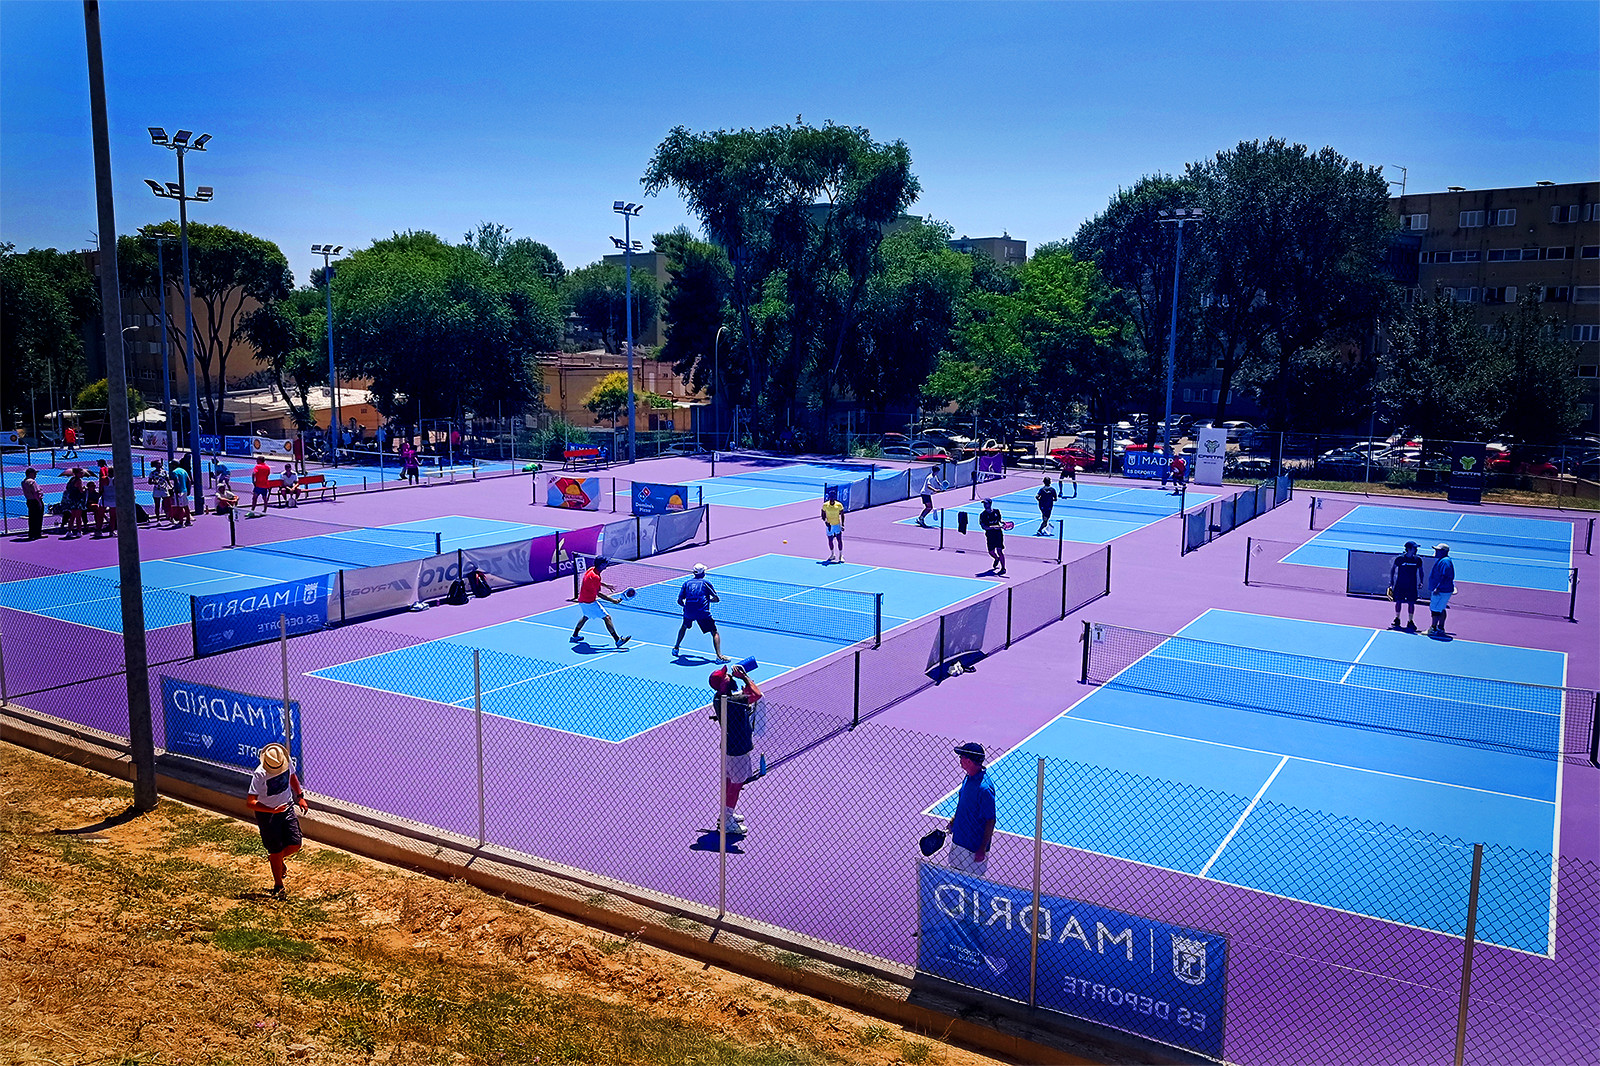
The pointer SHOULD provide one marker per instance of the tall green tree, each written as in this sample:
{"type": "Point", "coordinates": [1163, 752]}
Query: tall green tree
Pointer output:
{"type": "Point", "coordinates": [290, 338]}
{"type": "Point", "coordinates": [800, 211]}
{"type": "Point", "coordinates": [1296, 242]}
{"type": "Point", "coordinates": [523, 258]}
{"type": "Point", "coordinates": [230, 274]}
{"type": "Point", "coordinates": [1542, 393]}
{"type": "Point", "coordinates": [598, 296]}
{"type": "Point", "coordinates": [438, 329]}
{"type": "Point", "coordinates": [1440, 377]}
{"type": "Point", "coordinates": [47, 300]}
{"type": "Point", "coordinates": [695, 308]}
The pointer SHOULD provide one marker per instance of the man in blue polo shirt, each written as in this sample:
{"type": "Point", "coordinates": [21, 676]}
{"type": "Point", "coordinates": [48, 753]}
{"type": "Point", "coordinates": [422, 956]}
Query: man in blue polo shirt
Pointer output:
{"type": "Point", "coordinates": [696, 597]}
{"type": "Point", "coordinates": [972, 828]}
{"type": "Point", "coordinates": [1441, 586]}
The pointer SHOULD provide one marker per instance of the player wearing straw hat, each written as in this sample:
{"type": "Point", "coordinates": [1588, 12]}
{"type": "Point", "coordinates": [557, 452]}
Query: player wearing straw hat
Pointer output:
{"type": "Point", "coordinates": [696, 596]}
{"type": "Point", "coordinates": [272, 787]}
{"type": "Point", "coordinates": [590, 592]}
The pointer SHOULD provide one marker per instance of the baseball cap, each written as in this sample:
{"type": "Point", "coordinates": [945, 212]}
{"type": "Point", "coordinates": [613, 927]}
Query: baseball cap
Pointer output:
{"type": "Point", "coordinates": [1441, 547]}
{"type": "Point", "coordinates": [971, 750]}
{"type": "Point", "coordinates": [1411, 544]}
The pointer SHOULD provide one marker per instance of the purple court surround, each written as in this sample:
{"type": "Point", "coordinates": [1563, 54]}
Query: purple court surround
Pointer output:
{"type": "Point", "coordinates": [831, 853]}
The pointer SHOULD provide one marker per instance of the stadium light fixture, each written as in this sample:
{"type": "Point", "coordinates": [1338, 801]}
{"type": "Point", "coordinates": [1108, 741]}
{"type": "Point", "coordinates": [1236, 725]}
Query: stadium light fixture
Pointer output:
{"type": "Point", "coordinates": [629, 246]}
{"type": "Point", "coordinates": [328, 251]}
{"type": "Point", "coordinates": [1176, 216]}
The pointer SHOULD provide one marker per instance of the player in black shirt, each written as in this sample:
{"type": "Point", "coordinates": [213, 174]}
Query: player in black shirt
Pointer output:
{"type": "Point", "coordinates": [1405, 579]}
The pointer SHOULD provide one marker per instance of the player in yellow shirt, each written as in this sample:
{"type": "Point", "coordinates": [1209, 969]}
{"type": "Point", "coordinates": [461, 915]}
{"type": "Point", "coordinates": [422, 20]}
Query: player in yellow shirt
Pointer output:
{"type": "Point", "coordinates": [833, 518]}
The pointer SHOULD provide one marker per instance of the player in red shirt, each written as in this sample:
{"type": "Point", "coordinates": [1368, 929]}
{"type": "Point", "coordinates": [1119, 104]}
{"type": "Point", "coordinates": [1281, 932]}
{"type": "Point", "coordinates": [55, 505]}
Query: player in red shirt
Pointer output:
{"type": "Point", "coordinates": [589, 594]}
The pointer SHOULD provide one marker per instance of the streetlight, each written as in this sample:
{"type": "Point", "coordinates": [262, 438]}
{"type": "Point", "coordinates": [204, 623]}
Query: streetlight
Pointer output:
{"type": "Point", "coordinates": [327, 251]}
{"type": "Point", "coordinates": [629, 246]}
{"type": "Point", "coordinates": [1177, 216]}
{"type": "Point", "coordinates": [166, 363]}
{"type": "Point", "coordinates": [181, 144]}
{"type": "Point", "coordinates": [716, 384]}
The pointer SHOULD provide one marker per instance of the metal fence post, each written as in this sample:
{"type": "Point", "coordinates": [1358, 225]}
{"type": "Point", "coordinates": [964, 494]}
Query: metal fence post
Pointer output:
{"type": "Point", "coordinates": [1061, 540]}
{"type": "Point", "coordinates": [1038, 862]}
{"type": "Point", "coordinates": [1466, 957]}
{"type": "Point", "coordinates": [1572, 600]}
{"type": "Point", "coordinates": [283, 654]}
{"type": "Point", "coordinates": [1008, 615]}
{"type": "Point", "coordinates": [855, 713]}
{"type": "Point", "coordinates": [941, 641]}
{"type": "Point", "coordinates": [722, 809]}
{"type": "Point", "coordinates": [1311, 522]}
{"type": "Point", "coordinates": [477, 708]}
{"type": "Point", "coordinates": [941, 529]}
{"type": "Point", "coordinates": [1083, 676]}
{"type": "Point", "coordinates": [1063, 592]}
{"type": "Point", "coordinates": [877, 620]}
{"type": "Point", "coordinates": [1249, 543]}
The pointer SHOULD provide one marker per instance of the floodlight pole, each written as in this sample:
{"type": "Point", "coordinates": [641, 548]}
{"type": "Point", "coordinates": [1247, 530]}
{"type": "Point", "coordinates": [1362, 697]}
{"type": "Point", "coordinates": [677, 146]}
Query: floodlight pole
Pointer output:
{"type": "Point", "coordinates": [1177, 216]}
{"type": "Point", "coordinates": [166, 363]}
{"type": "Point", "coordinates": [181, 144]}
{"type": "Point", "coordinates": [627, 211]}
{"type": "Point", "coordinates": [716, 385]}
{"type": "Point", "coordinates": [327, 251]}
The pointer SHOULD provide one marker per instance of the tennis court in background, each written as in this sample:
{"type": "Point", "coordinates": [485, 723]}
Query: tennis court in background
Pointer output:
{"type": "Point", "coordinates": [1098, 514]}
{"type": "Point", "coordinates": [1489, 549]}
{"type": "Point", "coordinates": [1472, 764]}
{"type": "Point", "coordinates": [92, 597]}
{"type": "Point", "coordinates": [532, 672]}
{"type": "Point", "coordinates": [757, 482]}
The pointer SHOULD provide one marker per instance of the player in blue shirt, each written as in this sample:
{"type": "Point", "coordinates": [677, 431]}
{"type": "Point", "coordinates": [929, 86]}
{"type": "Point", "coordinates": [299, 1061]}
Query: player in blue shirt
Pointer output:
{"type": "Point", "coordinates": [972, 827]}
{"type": "Point", "coordinates": [1405, 581]}
{"type": "Point", "coordinates": [1441, 586]}
{"type": "Point", "coordinates": [696, 597]}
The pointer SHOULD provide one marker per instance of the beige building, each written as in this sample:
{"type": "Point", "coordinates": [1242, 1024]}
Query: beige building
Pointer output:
{"type": "Point", "coordinates": [1005, 249]}
{"type": "Point", "coordinates": [569, 378]}
{"type": "Point", "coordinates": [1489, 247]}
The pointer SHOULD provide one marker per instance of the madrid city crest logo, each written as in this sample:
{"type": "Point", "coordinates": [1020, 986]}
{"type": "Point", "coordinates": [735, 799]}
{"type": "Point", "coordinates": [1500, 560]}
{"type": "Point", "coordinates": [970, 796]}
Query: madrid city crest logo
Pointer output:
{"type": "Point", "coordinates": [1188, 960]}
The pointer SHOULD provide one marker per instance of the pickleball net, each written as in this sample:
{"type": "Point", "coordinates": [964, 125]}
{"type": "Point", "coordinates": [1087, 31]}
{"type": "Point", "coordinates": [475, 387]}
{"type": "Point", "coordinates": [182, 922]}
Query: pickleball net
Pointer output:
{"type": "Point", "coordinates": [844, 616]}
{"type": "Point", "coordinates": [1540, 721]}
{"type": "Point", "coordinates": [343, 546]}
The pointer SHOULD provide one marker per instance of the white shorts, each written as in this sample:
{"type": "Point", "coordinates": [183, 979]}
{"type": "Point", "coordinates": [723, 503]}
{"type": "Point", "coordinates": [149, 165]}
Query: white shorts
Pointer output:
{"type": "Point", "coordinates": [736, 768]}
{"type": "Point", "coordinates": [959, 858]}
{"type": "Point", "coordinates": [1439, 601]}
{"type": "Point", "coordinates": [593, 610]}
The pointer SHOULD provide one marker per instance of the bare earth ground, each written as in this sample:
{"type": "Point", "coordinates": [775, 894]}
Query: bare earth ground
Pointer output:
{"type": "Point", "coordinates": [152, 940]}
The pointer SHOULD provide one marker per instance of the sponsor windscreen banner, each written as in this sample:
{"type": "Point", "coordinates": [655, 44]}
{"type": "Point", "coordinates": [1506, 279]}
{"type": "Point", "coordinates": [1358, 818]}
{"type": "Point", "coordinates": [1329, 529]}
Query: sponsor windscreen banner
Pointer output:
{"type": "Point", "coordinates": [1141, 975]}
{"type": "Point", "coordinates": [573, 493]}
{"type": "Point", "coordinates": [223, 621]}
{"type": "Point", "coordinates": [1211, 455]}
{"type": "Point", "coordinates": [507, 563]}
{"type": "Point", "coordinates": [650, 498]}
{"type": "Point", "coordinates": [992, 464]}
{"type": "Point", "coordinates": [375, 590]}
{"type": "Point", "coordinates": [555, 554]}
{"type": "Point", "coordinates": [1467, 463]}
{"type": "Point", "coordinates": [620, 540]}
{"type": "Point", "coordinates": [224, 726]}
{"type": "Point", "coordinates": [959, 640]}
{"type": "Point", "coordinates": [1144, 464]}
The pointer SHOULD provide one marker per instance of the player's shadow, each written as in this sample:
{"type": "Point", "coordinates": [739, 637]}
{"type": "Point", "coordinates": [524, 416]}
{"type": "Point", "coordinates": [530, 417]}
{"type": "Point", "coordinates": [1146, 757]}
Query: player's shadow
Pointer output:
{"type": "Point", "coordinates": [707, 841]}
{"type": "Point", "coordinates": [583, 647]}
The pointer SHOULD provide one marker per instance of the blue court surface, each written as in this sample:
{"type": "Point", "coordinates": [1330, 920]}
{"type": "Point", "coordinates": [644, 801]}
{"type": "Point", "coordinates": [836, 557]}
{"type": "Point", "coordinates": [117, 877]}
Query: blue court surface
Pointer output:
{"type": "Point", "coordinates": [92, 597]}
{"type": "Point", "coordinates": [1345, 816]}
{"type": "Point", "coordinates": [1098, 514]}
{"type": "Point", "coordinates": [533, 672]}
{"type": "Point", "coordinates": [786, 483]}
{"type": "Point", "coordinates": [1530, 553]}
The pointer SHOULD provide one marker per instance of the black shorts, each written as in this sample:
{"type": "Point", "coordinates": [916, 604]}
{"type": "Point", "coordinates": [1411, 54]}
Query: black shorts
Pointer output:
{"type": "Point", "coordinates": [996, 538]}
{"type": "Point", "coordinates": [1044, 511]}
{"type": "Point", "coordinates": [279, 831]}
{"type": "Point", "coordinates": [1405, 596]}
{"type": "Point", "coordinates": [706, 623]}
{"type": "Point", "coordinates": [927, 500]}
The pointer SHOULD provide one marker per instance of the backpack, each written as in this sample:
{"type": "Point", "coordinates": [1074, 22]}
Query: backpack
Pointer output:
{"type": "Point", "coordinates": [478, 584]}
{"type": "Point", "coordinates": [458, 593]}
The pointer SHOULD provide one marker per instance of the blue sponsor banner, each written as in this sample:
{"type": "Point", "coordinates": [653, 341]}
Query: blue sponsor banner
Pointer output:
{"type": "Point", "coordinates": [236, 445]}
{"type": "Point", "coordinates": [225, 726]}
{"type": "Point", "coordinates": [210, 443]}
{"type": "Point", "coordinates": [1144, 464]}
{"type": "Point", "coordinates": [227, 620]}
{"type": "Point", "coordinates": [1141, 975]}
{"type": "Point", "coordinates": [659, 499]}
{"type": "Point", "coordinates": [841, 492]}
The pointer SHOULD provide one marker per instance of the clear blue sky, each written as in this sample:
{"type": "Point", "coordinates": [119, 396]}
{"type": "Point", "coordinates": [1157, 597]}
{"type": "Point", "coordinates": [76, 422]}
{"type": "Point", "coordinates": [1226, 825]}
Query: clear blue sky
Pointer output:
{"type": "Point", "coordinates": [344, 122]}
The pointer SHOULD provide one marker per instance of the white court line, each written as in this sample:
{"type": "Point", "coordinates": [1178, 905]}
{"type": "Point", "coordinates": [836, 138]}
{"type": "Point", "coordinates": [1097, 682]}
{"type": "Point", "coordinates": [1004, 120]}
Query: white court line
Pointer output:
{"type": "Point", "coordinates": [1262, 791]}
{"type": "Point", "coordinates": [1357, 660]}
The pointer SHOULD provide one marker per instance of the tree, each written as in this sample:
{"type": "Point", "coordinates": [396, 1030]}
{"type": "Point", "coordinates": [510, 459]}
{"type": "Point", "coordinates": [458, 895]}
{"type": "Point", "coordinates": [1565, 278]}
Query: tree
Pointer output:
{"type": "Point", "coordinates": [96, 396]}
{"type": "Point", "coordinates": [524, 258]}
{"type": "Point", "coordinates": [229, 270]}
{"type": "Point", "coordinates": [47, 298]}
{"type": "Point", "coordinates": [800, 212]}
{"type": "Point", "coordinates": [609, 397]}
{"type": "Point", "coordinates": [1439, 376]}
{"type": "Point", "coordinates": [290, 338]}
{"type": "Point", "coordinates": [598, 294]}
{"type": "Point", "coordinates": [695, 307]}
{"type": "Point", "coordinates": [1540, 390]}
{"type": "Point", "coordinates": [1297, 243]}
{"type": "Point", "coordinates": [438, 329]}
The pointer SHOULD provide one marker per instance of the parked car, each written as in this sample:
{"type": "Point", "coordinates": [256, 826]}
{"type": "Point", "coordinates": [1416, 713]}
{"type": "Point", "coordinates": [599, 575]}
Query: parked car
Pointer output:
{"type": "Point", "coordinates": [1038, 462]}
{"type": "Point", "coordinates": [685, 447]}
{"type": "Point", "coordinates": [1248, 466]}
{"type": "Point", "coordinates": [933, 457]}
{"type": "Point", "coordinates": [919, 447]}
{"type": "Point", "coordinates": [898, 451]}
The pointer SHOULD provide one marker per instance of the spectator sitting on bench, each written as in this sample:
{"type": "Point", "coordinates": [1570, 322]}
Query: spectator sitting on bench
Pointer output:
{"type": "Point", "coordinates": [227, 499]}
{"type": "Point", "coordinates": [289, 491]}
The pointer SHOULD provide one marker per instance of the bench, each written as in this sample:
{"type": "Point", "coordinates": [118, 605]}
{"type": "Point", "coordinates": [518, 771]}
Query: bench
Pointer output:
{"type": "Point", "coordinates": [303, 487]}
{"type": "Point", "coordinates": [583, 458]}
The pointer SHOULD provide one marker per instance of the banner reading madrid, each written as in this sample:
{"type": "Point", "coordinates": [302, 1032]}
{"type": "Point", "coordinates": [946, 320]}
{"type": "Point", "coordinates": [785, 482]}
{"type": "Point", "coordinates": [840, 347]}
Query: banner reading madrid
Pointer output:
{"type": "Point", "coordinates": [224, 726]}
{"type": "Point", "coordinates": [1141, 975]}
{"type": "Point", "coordinates": [227, 620]}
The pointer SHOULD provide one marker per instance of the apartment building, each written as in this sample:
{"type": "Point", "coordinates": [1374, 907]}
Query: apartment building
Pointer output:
{"type": "Point", "coordinates": [1005, 249]}
{"type": "Point", "coordinates": [1489, 247]}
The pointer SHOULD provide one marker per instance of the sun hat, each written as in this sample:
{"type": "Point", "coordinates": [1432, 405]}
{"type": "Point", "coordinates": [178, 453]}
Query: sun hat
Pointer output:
{"type": "Point", "coordinates": [274, 758]}
{"type": "Point", "coordinates": [971, 750]}
{"type": "Point", "coordinates": [1441, 547]}
{"type": "Point", "coordinates": [699, 568]}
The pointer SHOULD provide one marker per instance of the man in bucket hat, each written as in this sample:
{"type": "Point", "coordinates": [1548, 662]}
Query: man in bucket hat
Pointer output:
{"type": "Point", "coordinates": [972, 827]}
{"type": "Point", "coordinates": [272, 787]}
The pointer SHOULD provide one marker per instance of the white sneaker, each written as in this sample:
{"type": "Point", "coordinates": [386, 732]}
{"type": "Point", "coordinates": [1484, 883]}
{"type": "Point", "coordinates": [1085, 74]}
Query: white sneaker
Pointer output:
{"type": "Point", "coordinates": [734, 821]}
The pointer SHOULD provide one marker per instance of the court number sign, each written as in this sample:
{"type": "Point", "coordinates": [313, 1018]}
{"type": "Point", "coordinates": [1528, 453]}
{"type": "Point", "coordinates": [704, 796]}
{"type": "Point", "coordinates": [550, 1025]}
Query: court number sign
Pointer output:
{"type": "Point", "coordinates": [1138, 974]}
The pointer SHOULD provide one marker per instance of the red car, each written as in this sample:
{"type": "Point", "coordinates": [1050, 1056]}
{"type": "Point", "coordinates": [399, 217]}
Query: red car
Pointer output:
{"type": "Point", "coordinates": [1078, 457]}
{"type": "Point", "coordinates": [1502, 464]}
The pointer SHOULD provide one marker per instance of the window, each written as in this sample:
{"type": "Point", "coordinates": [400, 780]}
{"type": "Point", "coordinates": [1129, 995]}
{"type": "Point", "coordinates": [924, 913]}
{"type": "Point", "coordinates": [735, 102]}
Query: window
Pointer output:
{"type": "Point", "coordinates": [1591, 251]}
{"type": "Point", "coordinates": [1567, 213]}
{"type": "Point", "coordinates": [1465, 294]}
{"type": "Point", "coordinates": [1414, 222]}
{"type": "Point", "coordinates": [1557, 253]}
{"type": "Point", "coordinates": [1555, 294]}
{"type": "Point", "coordinates": [1588, 370]}
{"type": "Point", "coordinates": [1584, 334]}
{"type": "Point", "coordinates": [1188, 395]}
{"type": "Point", "coordinates": [1591, 213]}
{"type": "Point", "coordinates": [1505, 217]}
{"type": "Point", "coordinates": [1468, 255]}
{"type": "Point", "coordinates": [1506, 294]}
{"type": "Point", "coordinates": [1586, 294]}
{"type": "Point", "coordinates": [1433, 257]}
{"type": "Point", "coordinates": [1471, 219]}
{"type": "Point", "coordinates": [1505, 255]}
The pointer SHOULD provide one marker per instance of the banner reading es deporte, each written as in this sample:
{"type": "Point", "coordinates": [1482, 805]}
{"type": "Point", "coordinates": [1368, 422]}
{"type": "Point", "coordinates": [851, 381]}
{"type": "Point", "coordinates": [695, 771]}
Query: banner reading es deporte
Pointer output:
{"type": "Point", "coordinates": [227, 620]}
{"type": "Point", "coordinates": [1141, 975]}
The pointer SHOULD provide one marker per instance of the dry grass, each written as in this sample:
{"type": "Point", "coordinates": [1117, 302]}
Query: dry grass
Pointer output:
{"type": "Point", "coordinates": [152, 941]}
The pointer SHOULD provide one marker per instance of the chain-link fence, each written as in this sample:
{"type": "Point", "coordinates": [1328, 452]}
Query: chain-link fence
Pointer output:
{"type": "Point", "coordinates": [1208, 522]}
